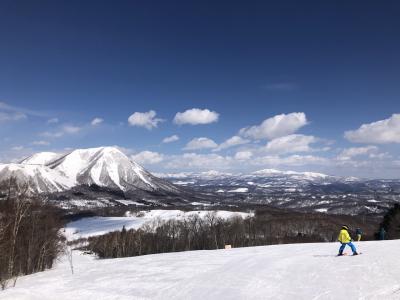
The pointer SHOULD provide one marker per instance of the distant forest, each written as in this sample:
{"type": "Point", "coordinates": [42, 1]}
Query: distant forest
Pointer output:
{"type": "Point", "coordinates": [212, 232]}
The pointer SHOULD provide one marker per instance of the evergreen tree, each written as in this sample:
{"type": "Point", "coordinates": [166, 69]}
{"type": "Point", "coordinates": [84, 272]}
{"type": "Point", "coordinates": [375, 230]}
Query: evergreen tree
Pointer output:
{"type": "Point", "coordinates": [391, 222]}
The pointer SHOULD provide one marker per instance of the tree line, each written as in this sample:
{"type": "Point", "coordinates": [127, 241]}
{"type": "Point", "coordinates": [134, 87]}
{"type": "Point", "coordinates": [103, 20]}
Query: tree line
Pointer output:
{"type": "Point", "coordinates": [29, 234]}
{"type": "Point", "coordinates": [213, 232]}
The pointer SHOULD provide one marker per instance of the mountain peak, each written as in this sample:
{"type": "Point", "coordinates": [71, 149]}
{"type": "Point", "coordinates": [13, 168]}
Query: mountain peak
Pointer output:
{"type": "Point", "coordinates": [214, 173]}
{"type": "Point", "coordinates": [267, 172]}
{"type": "Point", "coordinates": [309, 175]}
{"type": "Point", "coordinates": [103, 166]}
{"type": "Point", "coordinates": [103, 149]}
{"type": "Point", "coordinates": [41, 158]}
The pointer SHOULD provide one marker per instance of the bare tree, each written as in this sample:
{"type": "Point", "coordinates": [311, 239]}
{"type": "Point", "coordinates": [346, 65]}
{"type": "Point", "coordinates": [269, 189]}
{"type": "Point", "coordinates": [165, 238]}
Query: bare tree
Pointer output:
{"type": "Point", "coordinates": [29, 234]}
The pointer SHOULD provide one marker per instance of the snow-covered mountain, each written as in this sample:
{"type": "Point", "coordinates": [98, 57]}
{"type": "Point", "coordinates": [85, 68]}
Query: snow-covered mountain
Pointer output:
{"type": "Point", "coordinates": [264, 173]}
{"type": "Point", "coordinates": [267, 177]}
{"type": "Point", "coordinates": [107, 167]}
{"type": "Point", "coordinates": [296, 190]}
{"type": "Point", "coordinates": [312, 176]}
{"type": "Point", "coordinates": [104, 176]}
{"type": "Point", "coordinates": [37, 178]}
{"type": "Point", "coordinates": [41, 158]}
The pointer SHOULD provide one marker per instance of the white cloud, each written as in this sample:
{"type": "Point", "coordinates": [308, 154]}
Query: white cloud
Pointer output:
{"type": "Point", "coordinates": [290, 161]}
{"type": "Point", "coordinates": [96, 121]}
{"type": "Point", "coordinates": [55, 134]}
{"type": "Point", "coordinates": [365, 163]}
{"type": "Point", "coordinates": [349, 153]}
{"type": "Point", "coordinates": [71, 129]}
{"type": "Point", "coordinates": [17, 148]}
{"type": "Point", "coordinates": [20, 111]}
{"type": "Point", "coordinates": [40, 143]}
{"type": "Point", "coordinates": [277, 126]}
{"type": "Point", "coordinates": [379, 155]}
{"type": "Point", "coordinates": [291, 143]}
{"type": "Point", "coordinates": [170, 139]}
{"type": "Point", "coordinates": [147, 157]}
{"type": "Point", "coordinates": [11, 116]}
{"type": "Point", "coordinates": [66, 129]}
{"type": "Point", "coordinates": [4, 106]}
{"type": "Point", "coordinates": [194, 161]}
{"type": "Point", "coordinates": [52, 121]}
{"type": "Point", "coordinates": [200, 143]}
{"type": "Point", "coordinates": [243, 155]}
{"type": "Point", "coordinates": [147, 120]}
{"type": "Point", "coordinates": [380, 132]}
{"type": "Point", "coordinates": [243, 160]}
{"type": "Point", "coordinates": [373, 164]}
{"type": "Point", "coordinates": [233, 141]}
{"type": "Point", "coordinates": [196, 116]}
{"type": "Point", "coordinates": [14, 113]}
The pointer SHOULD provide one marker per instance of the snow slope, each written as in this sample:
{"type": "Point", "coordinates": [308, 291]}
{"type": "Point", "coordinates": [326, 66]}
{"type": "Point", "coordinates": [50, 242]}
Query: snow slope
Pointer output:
{"type": "Point", "coordinates": [297, 271]}
{"type": "Point", "coordinates": [40, 179]}
{"type": "Point", "coordinates": [41, 158]}
{"type": "Point", "coordinates": [93, 226]}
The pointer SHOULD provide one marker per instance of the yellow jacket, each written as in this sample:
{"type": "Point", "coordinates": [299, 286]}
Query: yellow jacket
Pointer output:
{"type": "Point", "coordinates": [344, 236]}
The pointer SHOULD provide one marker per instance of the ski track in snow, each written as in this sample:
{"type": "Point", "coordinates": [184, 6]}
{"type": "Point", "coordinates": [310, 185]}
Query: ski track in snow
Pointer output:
{"type": "Point", "coordinates": [297, 271]}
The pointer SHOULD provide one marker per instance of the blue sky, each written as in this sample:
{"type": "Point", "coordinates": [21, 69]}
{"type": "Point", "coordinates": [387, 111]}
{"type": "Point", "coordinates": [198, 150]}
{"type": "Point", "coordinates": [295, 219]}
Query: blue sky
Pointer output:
{"type": "Point", "coordinates": [323, 68]}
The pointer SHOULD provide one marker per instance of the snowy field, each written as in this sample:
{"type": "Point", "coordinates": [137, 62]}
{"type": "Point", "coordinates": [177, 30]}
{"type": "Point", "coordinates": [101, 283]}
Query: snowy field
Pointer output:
{"type": "Point", "coordinates": [298, 271]}
{"type": "Point", "coordinates": [93, 226]}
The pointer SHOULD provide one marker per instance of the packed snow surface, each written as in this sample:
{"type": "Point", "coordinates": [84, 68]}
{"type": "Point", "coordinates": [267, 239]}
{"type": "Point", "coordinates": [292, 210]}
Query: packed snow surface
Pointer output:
{"type": "Point", "coordinates": [297, 271]}
{"type": "Point", "coordinates": [93, 226]}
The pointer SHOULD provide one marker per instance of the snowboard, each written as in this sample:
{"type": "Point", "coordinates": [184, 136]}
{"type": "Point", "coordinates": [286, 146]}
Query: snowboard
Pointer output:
{"type": "Point", "coordinates": [346, 254]}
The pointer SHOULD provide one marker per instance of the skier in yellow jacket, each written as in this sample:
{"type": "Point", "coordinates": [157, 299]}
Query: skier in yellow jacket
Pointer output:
{"type": "Point", "coordinates": [345, 239]}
